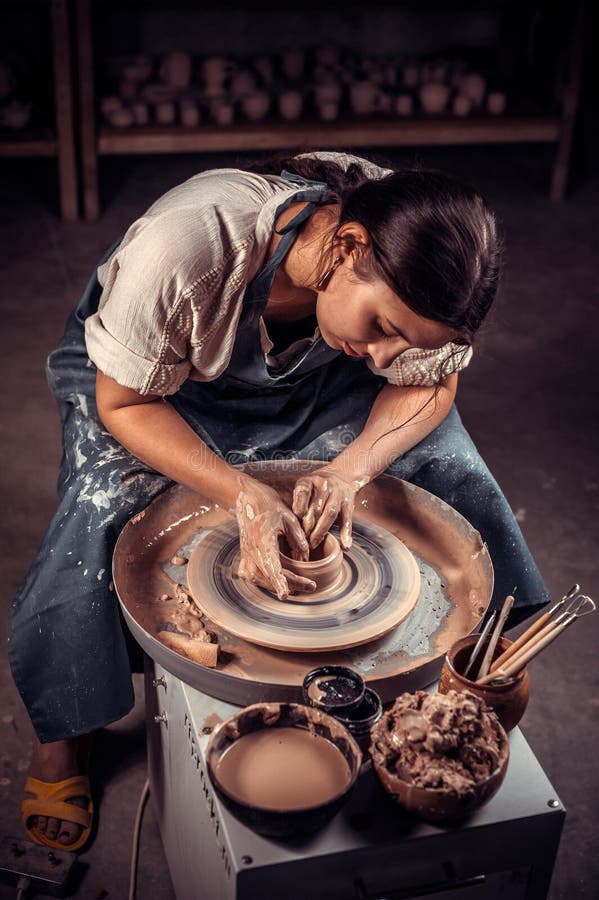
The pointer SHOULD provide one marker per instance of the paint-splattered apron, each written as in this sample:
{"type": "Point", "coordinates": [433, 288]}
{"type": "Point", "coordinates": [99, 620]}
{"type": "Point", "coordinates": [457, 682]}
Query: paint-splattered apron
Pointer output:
{"type": "Point", "coordinates": [66, 643]}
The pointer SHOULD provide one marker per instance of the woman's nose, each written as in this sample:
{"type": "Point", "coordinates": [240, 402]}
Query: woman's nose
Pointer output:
{"type": "Point", "coordinates": [381, 355]}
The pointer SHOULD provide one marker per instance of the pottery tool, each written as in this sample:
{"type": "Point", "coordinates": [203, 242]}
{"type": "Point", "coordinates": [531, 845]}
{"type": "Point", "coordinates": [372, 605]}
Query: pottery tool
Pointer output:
{"type": "Point", "coordinates": [501, 620]}
{"type": "Point", "coordinates": [580, 606]}
{"type": "Point", "coordinates": [534, 629]}
{"type": "Point", "coordinates": [479, 644]}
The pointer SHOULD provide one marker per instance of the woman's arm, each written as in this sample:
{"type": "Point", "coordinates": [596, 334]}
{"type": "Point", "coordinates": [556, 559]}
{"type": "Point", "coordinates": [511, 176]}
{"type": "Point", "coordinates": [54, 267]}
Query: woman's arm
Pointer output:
{"type": "Point", "coordinates": [154, 431]}
{"type": "Point", "coordinates": [400, 418]}
{"type": "Point", "coordinates": [385, 436]}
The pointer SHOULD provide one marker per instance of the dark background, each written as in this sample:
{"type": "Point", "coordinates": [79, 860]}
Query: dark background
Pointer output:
{"type": "Point", "coordinates": [529, 399]}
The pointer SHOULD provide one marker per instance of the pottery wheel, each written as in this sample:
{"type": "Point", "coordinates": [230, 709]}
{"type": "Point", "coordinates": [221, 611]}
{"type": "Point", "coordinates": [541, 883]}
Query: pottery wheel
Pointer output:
{"type": "Point", "coordinates": [377, 589]}
{"type": "Point", "coordinates": [456, 582]}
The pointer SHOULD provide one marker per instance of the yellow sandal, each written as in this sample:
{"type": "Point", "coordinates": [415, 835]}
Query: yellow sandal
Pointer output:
{"type": "Point", "coordinates": [48, 798]}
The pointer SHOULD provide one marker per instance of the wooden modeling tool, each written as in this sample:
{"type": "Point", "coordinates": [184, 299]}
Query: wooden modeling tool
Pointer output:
{"type": "Point", "coordinates": [479, 644]}
{"type": "Point", "coordinates": [535, 628]}
{"type": "Point", "coordinates": [578, 607]}
{"type": "Point", "coordinates": [505, 609]}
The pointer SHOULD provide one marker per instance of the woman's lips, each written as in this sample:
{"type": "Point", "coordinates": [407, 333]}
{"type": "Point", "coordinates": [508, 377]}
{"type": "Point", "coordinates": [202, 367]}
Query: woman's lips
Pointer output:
{"type": "Point", "coordinates": [349, 350]}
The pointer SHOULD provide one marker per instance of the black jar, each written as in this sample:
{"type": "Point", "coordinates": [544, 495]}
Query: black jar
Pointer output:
{"type": "Point", "coordinates": [333, 689]}
{"type": "Point", "coordinates": [362, 717]}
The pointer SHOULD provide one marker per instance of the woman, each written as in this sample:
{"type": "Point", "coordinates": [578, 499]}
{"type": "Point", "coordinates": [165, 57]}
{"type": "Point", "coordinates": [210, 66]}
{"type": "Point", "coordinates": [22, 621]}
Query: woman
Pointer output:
{"type": "Point", "coordinates": [322, 313]}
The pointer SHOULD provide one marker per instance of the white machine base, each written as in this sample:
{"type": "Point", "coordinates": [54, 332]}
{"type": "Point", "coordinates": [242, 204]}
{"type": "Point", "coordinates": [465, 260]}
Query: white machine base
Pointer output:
{"type": "Point", "coordinates": [371, 850]}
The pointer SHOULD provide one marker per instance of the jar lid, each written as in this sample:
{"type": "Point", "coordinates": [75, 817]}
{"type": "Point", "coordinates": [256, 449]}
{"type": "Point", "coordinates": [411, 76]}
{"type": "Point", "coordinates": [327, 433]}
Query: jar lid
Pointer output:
{"type": "Point", "coordinates": [333, 688]}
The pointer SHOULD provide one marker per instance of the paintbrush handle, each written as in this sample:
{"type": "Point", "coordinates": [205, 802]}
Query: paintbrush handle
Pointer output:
{"type": "Point", "coordinates": [487, 658]}
{"type": "Point", "coordinates": [523, 639]}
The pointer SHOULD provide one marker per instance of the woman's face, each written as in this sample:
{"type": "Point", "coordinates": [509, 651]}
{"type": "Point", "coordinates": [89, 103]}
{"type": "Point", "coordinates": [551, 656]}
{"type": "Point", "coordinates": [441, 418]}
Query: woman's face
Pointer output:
{"type": "Point", "coordinates": [365, 318]}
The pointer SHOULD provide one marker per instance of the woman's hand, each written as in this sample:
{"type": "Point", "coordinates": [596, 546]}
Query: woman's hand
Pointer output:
{"type": "Point", "coordinates": [322, 497]}
{"type": "Point", "coordinates": [262, 516]}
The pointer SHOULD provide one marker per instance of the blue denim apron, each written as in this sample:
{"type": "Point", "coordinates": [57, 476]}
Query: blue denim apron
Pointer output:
{"type": "Point", "coordinates": [67, 646]}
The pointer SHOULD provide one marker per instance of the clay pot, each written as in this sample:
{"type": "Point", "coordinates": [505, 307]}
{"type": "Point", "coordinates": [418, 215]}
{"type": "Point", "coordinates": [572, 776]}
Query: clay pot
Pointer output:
{"type": "Point", "coordinates": [323, 567]}
{"type": "Point", "coordinates": [290, 105]}
{"type": "Point", "coordinates": [404, 105]}
{"type": "Point", "coordinates": [437, 804]}
{"type": "Point", "coordinates": [175, 69]}
{"type": "Point", "coordinates": [255, 105]}
{"type": "Point", "coordinates": [508, 700]}
{"type": "Point", "coordinates": [434, 97]}
{"type": "Point", "coordinates": [496, 102]}
{"type": "Point", "coordinates": [473, 85]}
{"type": "Point", "coordinates": [462, 105]}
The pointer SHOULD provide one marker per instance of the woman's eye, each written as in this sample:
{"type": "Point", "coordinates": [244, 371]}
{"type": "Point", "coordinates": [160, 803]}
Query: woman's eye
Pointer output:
{"type": "Point", "coordinates": [385, 332]}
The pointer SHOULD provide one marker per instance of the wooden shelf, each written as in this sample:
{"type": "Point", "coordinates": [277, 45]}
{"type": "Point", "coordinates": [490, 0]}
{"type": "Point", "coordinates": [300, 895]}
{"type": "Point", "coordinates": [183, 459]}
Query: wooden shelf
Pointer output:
{"type": "Point", "coordinates": [521, 126]}
{"type": "Point", "coordinates": [27, 144]}
{"type": "Point", "coordinates": [352, 133]}
{"type": "Point", "coordinates": [58, 142]}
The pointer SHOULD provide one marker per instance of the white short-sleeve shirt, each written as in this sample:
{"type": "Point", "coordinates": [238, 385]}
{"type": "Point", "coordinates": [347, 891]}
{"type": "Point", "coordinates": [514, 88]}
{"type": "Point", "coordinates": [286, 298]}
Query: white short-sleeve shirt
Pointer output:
{"type": "Point", "coordinates": [173, 289]}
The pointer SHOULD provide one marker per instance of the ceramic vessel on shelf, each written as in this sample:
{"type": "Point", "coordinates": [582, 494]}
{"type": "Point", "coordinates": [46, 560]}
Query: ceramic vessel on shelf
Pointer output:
{"type": "Point", "coordinates": [434, 97]}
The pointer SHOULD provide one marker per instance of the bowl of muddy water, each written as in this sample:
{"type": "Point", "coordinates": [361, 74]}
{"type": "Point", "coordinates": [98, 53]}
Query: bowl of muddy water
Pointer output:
{"type": "Point", "coordinates": [283, 769]}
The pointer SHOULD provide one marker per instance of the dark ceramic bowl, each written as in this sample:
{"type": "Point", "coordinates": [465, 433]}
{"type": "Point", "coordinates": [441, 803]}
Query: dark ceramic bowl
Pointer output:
{"type": "Point", "coordinates": [259, 716]}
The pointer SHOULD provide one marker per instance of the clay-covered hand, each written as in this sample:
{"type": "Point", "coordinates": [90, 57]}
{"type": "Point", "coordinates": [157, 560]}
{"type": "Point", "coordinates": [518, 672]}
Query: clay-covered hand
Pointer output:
{"type": "Point", "coordinates": [322, 497]}
{"type": "Point", "coordinates": [262, 517]}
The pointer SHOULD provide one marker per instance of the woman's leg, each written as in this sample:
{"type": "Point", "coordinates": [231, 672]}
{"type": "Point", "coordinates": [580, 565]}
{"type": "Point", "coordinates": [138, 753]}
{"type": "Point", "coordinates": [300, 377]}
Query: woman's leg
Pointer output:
{"type": "Point", "coordinates": [447, 464]}
{"type": "Point", "coordinates": [66, 644]}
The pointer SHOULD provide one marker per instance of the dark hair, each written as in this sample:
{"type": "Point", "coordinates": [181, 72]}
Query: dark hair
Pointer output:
{"type": "Point", "coordinates": [434, 239]}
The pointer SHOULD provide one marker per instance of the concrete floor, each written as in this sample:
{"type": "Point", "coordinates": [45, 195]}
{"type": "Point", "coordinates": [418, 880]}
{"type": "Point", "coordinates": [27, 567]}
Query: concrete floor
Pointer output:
{"type": "Point", "coordinates": [530, 401]}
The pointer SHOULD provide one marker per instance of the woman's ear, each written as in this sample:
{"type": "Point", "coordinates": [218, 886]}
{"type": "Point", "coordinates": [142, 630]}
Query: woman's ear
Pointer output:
{"type": "Point", "coordinates": [352, 238]}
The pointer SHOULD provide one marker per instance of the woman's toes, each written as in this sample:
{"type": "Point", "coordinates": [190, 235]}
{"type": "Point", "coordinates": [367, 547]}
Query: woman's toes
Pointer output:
{"type": "Point", "coordinates": [52, 828]}
{"type": "Point", "coordinates": [69, 833]}
{"type": "Point", "coordinates": [42, 822]}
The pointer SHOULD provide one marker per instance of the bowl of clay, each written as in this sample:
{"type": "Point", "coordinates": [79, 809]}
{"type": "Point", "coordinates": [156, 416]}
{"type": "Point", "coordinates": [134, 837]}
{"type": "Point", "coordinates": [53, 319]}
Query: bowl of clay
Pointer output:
{"type": "Point", "coordinates": [323, 566]}
{"type": "Point", "coordinates": [283, 769]}
{"type": "Point", "coordinates": [421, 768]}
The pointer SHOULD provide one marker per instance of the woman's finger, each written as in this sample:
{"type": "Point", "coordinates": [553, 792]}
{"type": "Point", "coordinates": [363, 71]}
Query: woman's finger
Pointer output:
{"type": "Point", "coordinates": [296, 538]}
{"type": "Point", "coordinates": [320, 496]}
{"type": "Point", "coordinates": [301, 497]}
{"type": "Point", "coordinates": [345, 524]}
{"type": "Point", "coordinates": [326, 519]}
{"type": "Point", "coordinates": [271, 570]}
{"type": "Point", "coordinates": [298, 584]}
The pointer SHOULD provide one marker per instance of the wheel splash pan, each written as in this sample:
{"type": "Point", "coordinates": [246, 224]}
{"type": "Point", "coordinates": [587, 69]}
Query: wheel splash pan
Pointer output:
{"type": "Point", "coordinates": [456, 588]}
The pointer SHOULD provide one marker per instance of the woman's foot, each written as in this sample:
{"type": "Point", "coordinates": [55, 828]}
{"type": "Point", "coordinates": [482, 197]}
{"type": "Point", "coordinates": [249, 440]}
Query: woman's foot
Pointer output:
{"type": "Point", "coordinates": [53, 762]}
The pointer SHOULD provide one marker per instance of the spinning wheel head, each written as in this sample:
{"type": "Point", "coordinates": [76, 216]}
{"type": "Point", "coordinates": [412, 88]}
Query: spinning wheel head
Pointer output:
{"type": "Point", "coordinates": [377, 588]}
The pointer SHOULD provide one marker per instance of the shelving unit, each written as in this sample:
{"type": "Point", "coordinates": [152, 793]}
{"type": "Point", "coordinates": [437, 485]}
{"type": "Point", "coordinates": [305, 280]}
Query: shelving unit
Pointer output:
{"type": "Point", "coordinates": [531, 125]}
{"type": "Point", "coordinates": [58, 142]}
